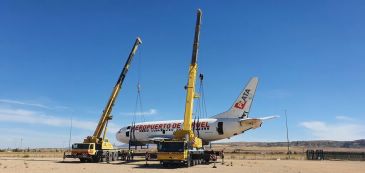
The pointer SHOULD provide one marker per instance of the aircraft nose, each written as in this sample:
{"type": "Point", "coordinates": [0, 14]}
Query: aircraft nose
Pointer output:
{"type": "Point", "coordinates": [120, 135]}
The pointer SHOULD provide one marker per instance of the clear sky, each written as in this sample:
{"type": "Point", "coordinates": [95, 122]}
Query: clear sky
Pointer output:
{"type": "Point", "coordinates": [60, 59]}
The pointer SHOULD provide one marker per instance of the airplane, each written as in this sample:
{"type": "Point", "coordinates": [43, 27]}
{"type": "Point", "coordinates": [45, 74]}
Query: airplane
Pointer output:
{"type": "Point", "coordinates": [230, 123]}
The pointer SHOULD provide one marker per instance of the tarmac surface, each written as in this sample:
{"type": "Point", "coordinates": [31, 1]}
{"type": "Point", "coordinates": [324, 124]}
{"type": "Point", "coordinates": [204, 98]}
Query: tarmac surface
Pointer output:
{"type": "Point", "coordinates": [40, 165]}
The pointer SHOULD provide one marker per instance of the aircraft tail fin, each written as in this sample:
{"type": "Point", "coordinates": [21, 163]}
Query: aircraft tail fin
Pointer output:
{"type": "Point", "coordinates": [241, 107]}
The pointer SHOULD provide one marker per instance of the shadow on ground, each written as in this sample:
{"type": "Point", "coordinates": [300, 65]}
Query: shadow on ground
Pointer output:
{"type": "Point", "coordinates": [138, 164]}
{"type": "Point", "coordinates": [142, 165]}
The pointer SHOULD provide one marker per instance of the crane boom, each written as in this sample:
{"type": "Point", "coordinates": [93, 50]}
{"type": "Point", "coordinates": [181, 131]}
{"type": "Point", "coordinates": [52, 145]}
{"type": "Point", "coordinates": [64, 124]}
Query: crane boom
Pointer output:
{"type": "Point", "coordinates": [186, 133]}
{"type": "Point", "coordinates": [185, 147]}
{"type": "Point", "coordinates": [97, 148]}
{"type": "Point", "coordinates": [189, 102]}
{"type": "Point", "coordinates": [106, 115]}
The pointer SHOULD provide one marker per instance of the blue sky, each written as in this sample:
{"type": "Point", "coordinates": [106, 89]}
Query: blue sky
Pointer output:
{"type": "Point", "coordinates": [60, 59]}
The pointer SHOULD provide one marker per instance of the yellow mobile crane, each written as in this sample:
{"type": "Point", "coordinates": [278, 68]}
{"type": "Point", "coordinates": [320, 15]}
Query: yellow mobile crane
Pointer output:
{"type": "Point", "coordinates": [185, 147]}
{"type": "Point", "coordinates": [97, 147]}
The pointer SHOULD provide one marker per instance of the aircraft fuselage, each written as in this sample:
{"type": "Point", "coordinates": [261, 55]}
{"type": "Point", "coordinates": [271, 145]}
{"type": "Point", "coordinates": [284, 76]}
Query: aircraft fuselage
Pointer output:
{"type": "Point", "coordinates": [209, 129]}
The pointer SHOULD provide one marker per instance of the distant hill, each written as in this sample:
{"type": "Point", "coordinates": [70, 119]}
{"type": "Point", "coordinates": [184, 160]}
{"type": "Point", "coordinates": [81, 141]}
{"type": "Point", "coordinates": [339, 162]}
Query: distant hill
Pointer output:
{"type": "Point", "coordinates": [307, 144]}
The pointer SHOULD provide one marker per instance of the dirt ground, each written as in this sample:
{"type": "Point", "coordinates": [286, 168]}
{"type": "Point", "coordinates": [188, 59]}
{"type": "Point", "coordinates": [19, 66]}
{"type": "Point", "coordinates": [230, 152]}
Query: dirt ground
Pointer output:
{"type": "Point", "coordinates": [40, 165]}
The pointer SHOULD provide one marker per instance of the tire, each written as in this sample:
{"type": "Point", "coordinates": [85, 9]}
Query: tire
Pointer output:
{"type": "Point", "coordinates": [164, 164]}
{"type": "Point", "coordinates": [110, 157]}
{"type": "Point", "coordinates": [82, 160]}
{"type": "Point", "coordinates": [188, 162]}
{"type": "Point", "coordinates": [116, 156]}
{"type": "Point", "coordinates": [95, 159]}
{"type": "Point", "coordinates": [113, 156]}
{"type": "Point", "coordinates": [107, 157]}
{"type": "Point", "coordinates": [103, 157]}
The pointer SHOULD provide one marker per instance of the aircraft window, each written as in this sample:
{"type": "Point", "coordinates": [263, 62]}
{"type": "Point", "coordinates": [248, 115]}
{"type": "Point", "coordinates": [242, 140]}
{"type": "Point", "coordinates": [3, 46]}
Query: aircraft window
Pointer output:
{"type": "Point", "coordinates": [163, 131]}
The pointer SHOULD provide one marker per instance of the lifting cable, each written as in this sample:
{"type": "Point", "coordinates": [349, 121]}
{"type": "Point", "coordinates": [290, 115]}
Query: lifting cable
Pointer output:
{"type": "Point", "coordinates": [138, 108]}
{"type": "Point", "coordinates": [203, 104]}
{"type": "Point", "coordinates": [200, 108]}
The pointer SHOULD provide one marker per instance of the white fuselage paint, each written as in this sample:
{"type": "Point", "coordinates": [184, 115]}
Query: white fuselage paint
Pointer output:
{"type": "Point", "coordinates": [232, 122]}
{"type": "Point", "coordinates": [208, 130]}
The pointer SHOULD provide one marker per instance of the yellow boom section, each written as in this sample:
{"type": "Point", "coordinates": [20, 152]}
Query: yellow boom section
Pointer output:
{"type": "Point", "coordinates": [106, 115]}
{"type": "Point", "coordinates": [189, 102]}
{"type": "Point", "coordinates": [187, 132]}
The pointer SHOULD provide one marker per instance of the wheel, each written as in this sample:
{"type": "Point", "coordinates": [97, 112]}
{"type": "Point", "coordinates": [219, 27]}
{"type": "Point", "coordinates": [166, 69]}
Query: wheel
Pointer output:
{"type": "Point", "coordinates": [116, 156]}
{"type": "Point", "coordinates": [188, 162]}
{"type": "Point", "coordinates": [82, 160]}
{"type": "Point", "coordinates": [103, 158]}
{"type": "Point", "coordinates": [113, 156]}
{"type": "Point", "coordinates": [110, 157]}
{"type": "Point", "coordinates": [164, 164]}
{"type": "Point", "coordinates": [107, 157]}
{"type": "Point", "coordinates": [96, 159]}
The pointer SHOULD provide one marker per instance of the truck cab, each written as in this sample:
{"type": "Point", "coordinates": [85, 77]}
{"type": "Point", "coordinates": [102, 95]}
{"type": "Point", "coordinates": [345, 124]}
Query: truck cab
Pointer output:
{"type": "Point", "coordinates": [83, 149]}
{"type": "Point", "coordinates": [172, 152]}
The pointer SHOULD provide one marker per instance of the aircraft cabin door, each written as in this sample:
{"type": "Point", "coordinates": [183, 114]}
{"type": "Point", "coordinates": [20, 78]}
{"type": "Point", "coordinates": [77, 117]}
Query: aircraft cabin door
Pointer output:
{"type": "Point", "coordinates": [220, 128]}
{"type": "Point", "coordinates": [127, 131]}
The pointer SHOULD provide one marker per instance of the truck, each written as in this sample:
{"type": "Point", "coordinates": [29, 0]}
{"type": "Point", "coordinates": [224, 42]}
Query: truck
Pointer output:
{"type": "Point", "coordinates": [97, 148]}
